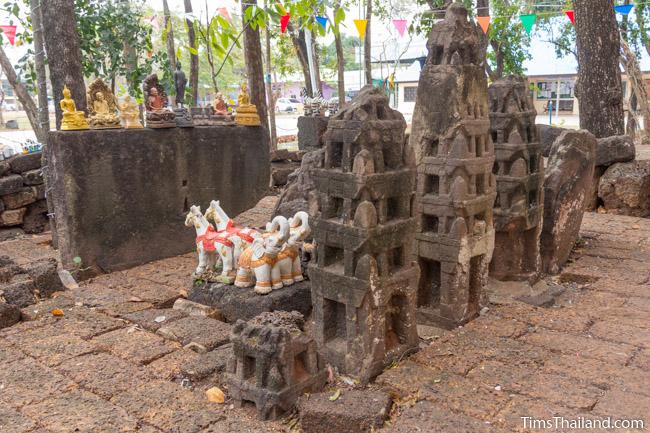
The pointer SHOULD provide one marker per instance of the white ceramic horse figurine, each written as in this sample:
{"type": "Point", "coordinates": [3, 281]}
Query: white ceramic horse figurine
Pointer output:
{"type": "Point", "coordinates": [232, 240]}
{"type": "Point", "coordinates": [204, 245]}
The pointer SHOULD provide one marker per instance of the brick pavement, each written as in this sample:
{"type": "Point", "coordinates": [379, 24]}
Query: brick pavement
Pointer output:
{"type": "Point", "coordinates": [105, 366]}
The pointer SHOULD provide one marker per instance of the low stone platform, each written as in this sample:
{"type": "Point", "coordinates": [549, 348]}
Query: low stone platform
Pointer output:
{"type": "Point", "coordinates": [237, 303]}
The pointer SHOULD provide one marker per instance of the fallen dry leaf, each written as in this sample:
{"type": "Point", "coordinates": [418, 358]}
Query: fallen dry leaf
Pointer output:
{"type": "Point", "coordinates": [58, 313]}
{"type": "Point", "coordinates": [216, 395]}
{"type": "Point", "coordinates": [336, 395]}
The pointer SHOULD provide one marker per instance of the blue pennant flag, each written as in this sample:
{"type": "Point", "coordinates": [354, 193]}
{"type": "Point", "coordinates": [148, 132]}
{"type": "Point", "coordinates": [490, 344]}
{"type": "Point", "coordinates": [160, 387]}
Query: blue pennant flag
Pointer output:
{"type": "Point", "coordinates": [623, 9]}
{"type": "Point", "coordinates": [322, 21]}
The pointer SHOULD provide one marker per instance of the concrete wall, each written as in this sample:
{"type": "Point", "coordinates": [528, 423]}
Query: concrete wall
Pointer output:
{"type": "Point", "coordinates": [120, 196]}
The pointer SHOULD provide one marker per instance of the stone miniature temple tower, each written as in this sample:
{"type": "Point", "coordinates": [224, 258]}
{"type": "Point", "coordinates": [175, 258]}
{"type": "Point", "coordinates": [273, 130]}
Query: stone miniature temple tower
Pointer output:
{"type": "Point", "coordinates": [274, 362]}
{"type": "Point", "coordinates": [455, 187]}
{"type": "Point", "coordinates": [363, 282]}
{"type": "Point", "coordinates": [519, 169]}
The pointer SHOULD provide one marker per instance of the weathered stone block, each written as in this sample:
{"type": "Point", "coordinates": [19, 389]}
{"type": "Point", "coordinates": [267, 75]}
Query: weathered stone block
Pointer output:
{"type": "Point", "coordinates": [547, 136]}
{"type": "Point", "coordinates": [9, 315]}
{"type": "Point", "coordinates": [11, 184]}
{"type": "Point", "coordinates": [353, 412]}
{"type": "Point", "coordinates": [25, 162]}
{"type": "Point", "coordinates": [202, 334]}
{"type": "Point", "coordinates": [5, 168]}
{"type": "Point", "coordinates": [13, 217]}
{"type": "Point", "coordinates": [153, 175]}
{"type": "Point", "coordinates": [36, 220]}
{"type": "Point", "coordinates": [300, 193]}
{"type": "Point", "coordinates": [237, 304]}
{"type": "Point", "coordinates": [19, 293]}
{"type": "Point", "coordinates": [568, 176]}
{"type": "Point", "coordinates": [310, 132]}
{"type": "Point", "coordinates": [39, 191]}
{"type": "Point", "coordinates": [33, 177]}
{"type": "Point", "coordinates": [19, 199]}
{"type": "Point", "coordinates": [45, 277]}
{"type": "Point", "coordinates": [625, 188]}
{"type": "Point", "coordinates": [610, 150]}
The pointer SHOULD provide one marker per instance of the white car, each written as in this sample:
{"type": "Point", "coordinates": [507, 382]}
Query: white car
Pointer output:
{"type": "Point", "coordinates": [287, 105]}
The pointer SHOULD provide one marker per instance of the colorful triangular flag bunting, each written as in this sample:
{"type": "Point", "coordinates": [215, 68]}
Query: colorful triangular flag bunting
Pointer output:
{"type": "Point", "coordinates": [361, 27]}
{"type": "Point", "coordinates": [284, 22]}
{"type": "Point", "coordinates": [484, 22]}
{"type": "Point", "coordinates": [322, 21]}
{"type": "Point", "coordinates": [224, 13]}
{"type": "Point", "coordinates": [528, 21]}
{"type": "Point", "coordinates": [624, 9]}
{"type": "Point", "coordinates": [10, 33]}
{"type": "Point", "coordinates": [572, 16]}
{"type": "Point", "coordinates": [400, 25]}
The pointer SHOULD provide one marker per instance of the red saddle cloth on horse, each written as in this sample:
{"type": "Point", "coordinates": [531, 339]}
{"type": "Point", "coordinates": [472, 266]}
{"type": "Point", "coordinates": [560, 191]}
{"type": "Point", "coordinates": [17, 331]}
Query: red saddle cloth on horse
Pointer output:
{"type": "Point", "coordinates": [211, 236]}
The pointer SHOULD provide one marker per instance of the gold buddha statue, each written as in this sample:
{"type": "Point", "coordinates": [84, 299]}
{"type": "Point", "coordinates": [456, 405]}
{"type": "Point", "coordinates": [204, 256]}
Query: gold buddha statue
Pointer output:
{"type": "Point", "coordinates": [102, 106]}
{"type": "Point", "coordinates": [220, 107]}
{"type": "Point", "coordinates": [72, 119]}
{"type": "Point", "coordinates": [246, 113]}
{"type": "Point", "coordinates": [130, 114]}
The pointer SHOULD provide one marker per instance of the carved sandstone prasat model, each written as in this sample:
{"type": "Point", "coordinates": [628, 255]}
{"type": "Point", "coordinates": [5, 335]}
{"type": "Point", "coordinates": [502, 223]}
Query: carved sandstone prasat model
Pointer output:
{"type": "Point", "coordinates": [130, 114]}
{"type": "Point", "coordinates": [246, 113]}
{"type": "Point", "coordinates": [157, 113]}
{"type": "Point", "coordinates": [102, 106]}
{"type": "Point", "coordinates": [72, 119]}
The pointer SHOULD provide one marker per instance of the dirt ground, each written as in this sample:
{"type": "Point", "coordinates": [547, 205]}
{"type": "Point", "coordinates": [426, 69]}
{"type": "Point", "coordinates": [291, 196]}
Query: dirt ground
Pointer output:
{"type": "Point", "coordinates": [118, 359]}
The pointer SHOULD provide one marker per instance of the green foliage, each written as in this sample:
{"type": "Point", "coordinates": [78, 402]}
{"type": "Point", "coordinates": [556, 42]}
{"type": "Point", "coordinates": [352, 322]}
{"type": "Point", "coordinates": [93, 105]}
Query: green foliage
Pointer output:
{"type": "Point", "coordinates": [328, 53]}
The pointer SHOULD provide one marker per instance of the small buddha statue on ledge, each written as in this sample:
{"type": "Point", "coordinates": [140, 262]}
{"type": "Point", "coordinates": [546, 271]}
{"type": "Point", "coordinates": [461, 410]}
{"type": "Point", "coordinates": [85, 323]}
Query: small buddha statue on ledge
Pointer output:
{"type": "Point", "coordinates": [72, 119]}
{"type": "Point", "coordinates": [246, 113]}
{"type": "Point", "coordinates": [130, 114]}
{"type": "Point", "coordinates": [102, 107]}
{"type": "Point", "coordinates": [157, 113]}
{"type": "Point", "coordinates": [220, 106]}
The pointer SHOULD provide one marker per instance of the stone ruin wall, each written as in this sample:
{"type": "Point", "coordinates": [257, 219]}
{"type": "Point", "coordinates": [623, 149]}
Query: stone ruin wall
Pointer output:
{"type": "Point", "coordinates": [22, 194]}
{"type": "Point", "coordinates": [519, 169]}
{"type": "Point", "coordinates": [363, 280]}
{"type": "Point", "coordinates": [456, 188]}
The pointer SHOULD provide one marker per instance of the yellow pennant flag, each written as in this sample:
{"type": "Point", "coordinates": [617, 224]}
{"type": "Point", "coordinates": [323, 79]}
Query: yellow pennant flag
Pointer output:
{"type": "Point", "coordinates": [361, 27]}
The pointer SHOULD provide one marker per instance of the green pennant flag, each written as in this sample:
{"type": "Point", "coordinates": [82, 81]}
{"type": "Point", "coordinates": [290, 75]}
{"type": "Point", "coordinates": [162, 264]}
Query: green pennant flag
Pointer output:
{"type": "Point", "coordinates": [528, 21]}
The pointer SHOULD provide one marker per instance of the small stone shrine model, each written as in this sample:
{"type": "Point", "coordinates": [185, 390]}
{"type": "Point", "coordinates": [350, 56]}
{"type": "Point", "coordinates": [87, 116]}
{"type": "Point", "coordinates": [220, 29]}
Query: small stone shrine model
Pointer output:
{"type": "Point", "coordinates": [157, 115]}
{"type": "Point", "coordinates": [364, 283]}
{"type": "Point", "coordinates": [202, 116]}
{"type": "Point", "coordinates": [130, 114]}
{"type": "Point", "coordinates": [72, 120]}
{"type": "Point", "coordinates": [183, 116]}
{"type": "Point", "coordinates": [246, 113]}
{"type": "Point", "coordinates": [101, 106]}
{"type": "Point", "coordinates": [519, 168]}
{"type": "Point", "coordinates": [456, 188]}
{"type": "Point", "coordinates": [274, 362]}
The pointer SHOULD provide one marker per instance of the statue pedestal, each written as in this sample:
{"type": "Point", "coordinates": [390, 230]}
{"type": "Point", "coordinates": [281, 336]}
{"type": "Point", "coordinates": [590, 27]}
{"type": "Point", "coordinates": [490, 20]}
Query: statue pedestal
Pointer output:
{"type": "Point", "coordinates": [183, 117]}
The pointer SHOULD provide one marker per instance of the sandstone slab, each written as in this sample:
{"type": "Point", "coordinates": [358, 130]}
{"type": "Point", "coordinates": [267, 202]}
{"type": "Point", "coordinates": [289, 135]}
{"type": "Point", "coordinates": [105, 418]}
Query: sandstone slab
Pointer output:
{"type": "Point", "coordinates": [625, 188]}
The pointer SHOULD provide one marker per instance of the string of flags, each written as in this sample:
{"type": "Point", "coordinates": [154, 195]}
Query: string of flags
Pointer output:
{"type": "Point", "coordinates": [10, 33]}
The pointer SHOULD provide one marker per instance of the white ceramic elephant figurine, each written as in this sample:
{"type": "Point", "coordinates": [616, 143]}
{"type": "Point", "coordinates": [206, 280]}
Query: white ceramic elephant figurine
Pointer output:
{"type": "Point", "coordinates": [205, 245]}
{"type": "Point", "coordinates": [289, 256]}
{"type": "Point", "coordinates": [232, 240]}
{"type": "Point", "coordinates": [259, 263]}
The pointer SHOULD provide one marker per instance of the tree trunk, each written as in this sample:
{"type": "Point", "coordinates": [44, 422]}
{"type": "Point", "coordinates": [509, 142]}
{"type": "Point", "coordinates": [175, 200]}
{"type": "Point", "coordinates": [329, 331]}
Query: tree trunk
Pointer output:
{"type": "Point", "coordinates": [194, 58]}
{"type": "Point", "coordinates": [314, 50]}
{"type": "Point", "coordinates": [638, 87]}
{"type": "Point", "coordinates": [171, 50]}
{"type": "Point", "coordinates": [23, 96]}
{"type": "Point", "coordinates": [300, 45]}
{"type": "Point", "coordinates": [63, 53]}
{"type": "Point", "coordinates": [43, 117]}
{"type": "Point", "coordinates": [340, 65]}
{"type": "Point", "coordinates": [599, 88]}
{"type": "Point", "coordinates": [269, 89]}
{"type": "Point", "coordinates": [254, 65]}
{"type": "Point", "coordinates": [367, 44]}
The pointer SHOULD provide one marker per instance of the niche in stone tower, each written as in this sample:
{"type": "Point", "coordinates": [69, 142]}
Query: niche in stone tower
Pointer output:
{"type": "Point", "coordinates": [429, 286]}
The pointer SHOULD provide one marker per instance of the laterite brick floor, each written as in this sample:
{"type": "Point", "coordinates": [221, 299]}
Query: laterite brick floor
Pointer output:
{"type": "Point", "coordinates": [115, 361]}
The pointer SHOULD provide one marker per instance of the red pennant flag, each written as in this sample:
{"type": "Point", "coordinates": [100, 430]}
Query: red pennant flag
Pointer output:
{"type": "Point", "coordinates": [484, 22]}
{"type": "Point", "coordinates": [284, 22]}
{"type": "Point", "coordinates": [571, 16]}
{"type": "Point", "coordinates": [10, 32]}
